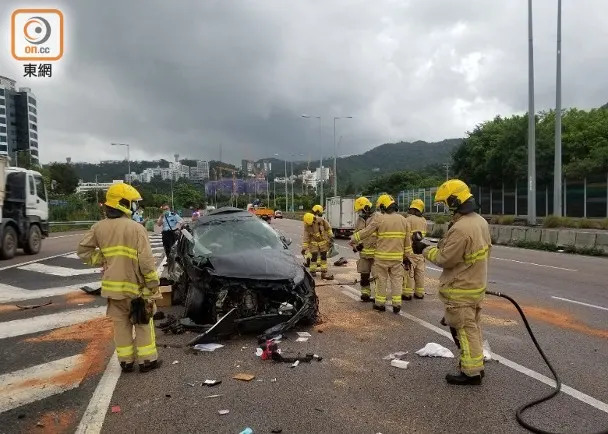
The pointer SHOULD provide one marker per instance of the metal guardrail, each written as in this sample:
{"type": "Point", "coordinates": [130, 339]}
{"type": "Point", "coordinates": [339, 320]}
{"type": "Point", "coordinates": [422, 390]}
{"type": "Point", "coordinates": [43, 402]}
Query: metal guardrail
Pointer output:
{"type": "Point", "coordinates": [73, 223]}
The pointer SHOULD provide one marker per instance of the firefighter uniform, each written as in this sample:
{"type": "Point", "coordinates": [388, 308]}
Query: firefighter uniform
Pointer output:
{"type": "Point", "coordinates": [463, 254]}
{"type": "Point", "coordinates": [367, 249]}
{"type": "Point", "coordinates": [413, 283]}
{"type": "Point", "coordinates": [391, 230]}
{"type": "Point", "coordinates": [316, 240]}
{"type": "Point", "coordinates": [121, 247]}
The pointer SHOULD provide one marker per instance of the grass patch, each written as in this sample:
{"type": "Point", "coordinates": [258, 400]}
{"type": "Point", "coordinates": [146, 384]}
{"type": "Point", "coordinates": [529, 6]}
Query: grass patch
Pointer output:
{"type": "Point", "coordinates": [441, 219]}
{"type": "Point", "coordinates": [537, 245]}
{"type": "Point", "coordinates": [507, 220]}
{"type": "Point", "coordinates": [68, 228]}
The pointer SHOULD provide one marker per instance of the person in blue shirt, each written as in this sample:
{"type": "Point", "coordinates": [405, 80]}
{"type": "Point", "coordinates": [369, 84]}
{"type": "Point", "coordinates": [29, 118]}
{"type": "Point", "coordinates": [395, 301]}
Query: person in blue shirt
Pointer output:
{"type": "Point", "coordinates": [171, 222]}
{"type": "Point", "coordinates": [137, 216]}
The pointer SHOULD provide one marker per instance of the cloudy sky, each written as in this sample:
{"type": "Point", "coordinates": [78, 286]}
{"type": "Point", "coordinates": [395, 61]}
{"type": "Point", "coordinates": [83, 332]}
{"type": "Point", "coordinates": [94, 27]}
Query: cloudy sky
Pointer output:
{"type": "Point", "coordinates": [184, 76]}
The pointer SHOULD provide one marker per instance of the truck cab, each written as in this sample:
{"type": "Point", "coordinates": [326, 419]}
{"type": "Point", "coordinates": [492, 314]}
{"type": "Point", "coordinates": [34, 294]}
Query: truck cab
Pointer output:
{"type": "Point", "coordinates": [24, 210]}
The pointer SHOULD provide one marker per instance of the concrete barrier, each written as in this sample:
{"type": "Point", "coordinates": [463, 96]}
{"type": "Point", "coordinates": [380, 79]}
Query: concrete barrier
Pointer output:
{"type": "Point", "coordinates": [518, 234]}
{"type": "Point", "coordinates": [533, 235]}
{"type": "Point", "coordinates": [549, 236]}
{"type": "Point", "coordinates": [504, 235]}
{"type": "Point", "coordinates": [585, 240]}
{"type": "Point", "coordinates": [601, 242]}
{"type": "Point", "coordinates": [566, 238]}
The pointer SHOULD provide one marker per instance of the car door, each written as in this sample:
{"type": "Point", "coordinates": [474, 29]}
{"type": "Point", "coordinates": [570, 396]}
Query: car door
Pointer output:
{"type": "Point", "coordinates": [42, 207]}
{"type": "Point", "coordinates": [30, 196]}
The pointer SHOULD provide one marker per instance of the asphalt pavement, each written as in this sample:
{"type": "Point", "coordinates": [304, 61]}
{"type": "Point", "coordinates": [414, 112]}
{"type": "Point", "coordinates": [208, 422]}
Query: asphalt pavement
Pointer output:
{"type": "Point", "coordinates": [353, 389]}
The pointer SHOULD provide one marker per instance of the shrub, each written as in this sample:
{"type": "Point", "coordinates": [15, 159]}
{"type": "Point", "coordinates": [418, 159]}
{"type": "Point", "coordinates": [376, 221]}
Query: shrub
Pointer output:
{"type": "Point", "coordinates": [506, 220]}
{"type": "Point", "coordinates": [442, 219]}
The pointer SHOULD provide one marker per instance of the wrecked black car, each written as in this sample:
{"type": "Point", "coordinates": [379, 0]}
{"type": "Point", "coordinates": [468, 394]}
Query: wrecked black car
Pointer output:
{"type": "Point", "coordinates": [231, 266]}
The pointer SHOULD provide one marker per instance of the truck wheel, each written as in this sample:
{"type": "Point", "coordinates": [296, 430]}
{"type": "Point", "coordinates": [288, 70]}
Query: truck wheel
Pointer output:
{"type": "Point", "coordinates": [8, 248]}
{"type": "Point", "coordinates": [34, 241]}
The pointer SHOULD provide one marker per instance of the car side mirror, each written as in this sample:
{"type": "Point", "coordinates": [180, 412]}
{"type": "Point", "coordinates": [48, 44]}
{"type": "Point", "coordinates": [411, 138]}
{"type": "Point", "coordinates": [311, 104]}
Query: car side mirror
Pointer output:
{"type": "Point", "coordinates": [287, 241]}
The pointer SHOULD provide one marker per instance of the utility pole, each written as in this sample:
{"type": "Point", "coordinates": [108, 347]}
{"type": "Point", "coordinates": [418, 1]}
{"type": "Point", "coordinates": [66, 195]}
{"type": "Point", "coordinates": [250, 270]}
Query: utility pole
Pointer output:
{"type": "Point", "coordinates": [447, 171]}
{"type": "Point", "coordinates": [291, 180]}
{"type": "Point", "coordinates": [96, 190]}
{"type": "Point", "coordinates": [557, 171]}
{"type": "Point", "coordinates": [531, 125]}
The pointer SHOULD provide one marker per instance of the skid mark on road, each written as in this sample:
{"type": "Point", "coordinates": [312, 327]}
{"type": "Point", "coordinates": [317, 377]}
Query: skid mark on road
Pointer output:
{"type": "Point", "coordinates": [554, 317]}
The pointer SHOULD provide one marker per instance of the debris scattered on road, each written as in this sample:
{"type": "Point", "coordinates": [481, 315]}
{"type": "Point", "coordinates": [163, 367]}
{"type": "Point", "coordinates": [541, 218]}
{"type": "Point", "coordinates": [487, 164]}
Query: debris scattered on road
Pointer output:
{"type": "Point", "coordinates": [211, 383]}
{"type": "Point", "coordinates": [247, 431]}
{"type": "Point", "coordinates": [342, 262]}
{"type": "Point", "coordinates": [259, 352]}
{"type": "Point", "coordinates": [40, 425]}
{"type": "Point", "coordinates": [401, 364]}
{"type": "Point", "coordinates": [191, 384]}
{"type": "Point", "coordinates": [159, 315]}
{"type": "Point", "coordinates": [223, 412]}
{"type": "Point", "coordinates": [304, 334]}
{"type": "Point", "coordinates": [286, 309]}
{"type": "Point", "coordinates": [207, 347]}
{"type": "Point", "coordinates": [396, 355]}
{"type": "Point", "coordinates": [302, 340]}
{"type": "Point", "coordinates": [244, 377]}
{"type": "Point", "coordinates": [435, 350]}
{"type": "Point", "coordinates": [175, 362]}
{"type": "Point", "coordinates": [276, 431]}
{"type": "Point", "coordinates": [167, 396]}
{"type": "Point", "coordinates": [116, 409]}
{"type": "Point", "coordinates": [296, 363]}
{"type": "Point", "coordinates": [92, 290]}
{"type": "Point", "coordinates": [274, 380]}
{"type": "Point", "coordinates": [171, 325]}
{"type": "Point", "coordinates": [212, 396]}
{"type": "Point", "coordinates": [33, 306]}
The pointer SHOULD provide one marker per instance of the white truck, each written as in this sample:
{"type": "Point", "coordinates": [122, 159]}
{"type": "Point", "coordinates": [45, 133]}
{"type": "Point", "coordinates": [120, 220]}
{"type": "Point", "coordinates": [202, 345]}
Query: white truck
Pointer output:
{"type": "Point", "coordinates": [341, 215]}
{"type": "Point", "coordinates": [24, 210]}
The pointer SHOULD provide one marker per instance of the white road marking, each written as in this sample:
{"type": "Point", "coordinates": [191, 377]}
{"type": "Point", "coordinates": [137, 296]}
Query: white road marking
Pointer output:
{"type": "Point", "coordinates": [533, 263]}
{"type": "Point", "coordinates": [59, 271]}
{"type": "Point", "coordinates": [602, 406]}
{"type": "Point", "coordinates": [12, 293]}
{"type": "Point", "coordinates": [580, 302]}
{"type": "Point", "coordinates": [20, 327]}
{"type": "Point", "coordinates": [66, 236]}
{"type": "Point", "coordinates": [33, 384]}
{"type": "Point", "coordinates": [35, 261]}
{"type": "Point", "coordinates": [72, 256]}
{"type": "Point", "coordinates": [95, 414]}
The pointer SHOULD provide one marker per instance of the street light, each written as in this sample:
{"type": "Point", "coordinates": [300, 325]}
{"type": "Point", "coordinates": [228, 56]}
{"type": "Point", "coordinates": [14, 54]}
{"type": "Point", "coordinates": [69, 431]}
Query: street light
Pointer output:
{"type": "Point", "coordinates": [128, 155]}
{"type": "Point", "coordinates": [336, 154]}
{"type": "Point", "coordinates": [321, 149]}
{"type": "Point", "coordinates": [531, 125]}
{"type": "Point", "coordinates": [557, 172]}
{"type": "Point", "coordinates": [285, 161]}
{"type": "Point", "coordinates": [292, 196]}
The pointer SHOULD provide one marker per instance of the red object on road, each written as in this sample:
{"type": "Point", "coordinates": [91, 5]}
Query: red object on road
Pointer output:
{"type": "Point", "coordinates": [116, 409]}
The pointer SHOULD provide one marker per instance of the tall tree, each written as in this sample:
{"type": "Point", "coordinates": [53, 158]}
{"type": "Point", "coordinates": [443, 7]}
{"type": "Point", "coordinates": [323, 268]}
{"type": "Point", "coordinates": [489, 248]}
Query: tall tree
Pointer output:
{"type": "Point", "coordinates": [63, 178]}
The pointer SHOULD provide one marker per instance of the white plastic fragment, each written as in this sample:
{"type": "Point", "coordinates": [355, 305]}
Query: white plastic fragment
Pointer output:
{"type": "Point", "coordinates": [401, 364]}
{"type": "Point", "coordinates": [304, 334]}
{"type": "Point", "coordinates": [296, 363]}
{"type": "Point", "coordinates": [259, 352]}
{"type": "Point", "coordinates": [396, 355]}
{"type": "Point", "coordinates": [207, 347]}
{"type": "Point", "coordinates": [435, 350]}
{"type": "Point", "coordinates": [487, 351]}
{"type": "Point", "coordinates": [223, 412]}
{"type": "Point", "coordinates": [175, 362]}
{"type": "Point", "coordinates": [302, 339]}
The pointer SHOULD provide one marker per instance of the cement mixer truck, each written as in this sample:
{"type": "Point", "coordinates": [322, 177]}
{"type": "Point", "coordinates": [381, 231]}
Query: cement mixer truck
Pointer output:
{"type": "Point", "coordinates": [24, 210]}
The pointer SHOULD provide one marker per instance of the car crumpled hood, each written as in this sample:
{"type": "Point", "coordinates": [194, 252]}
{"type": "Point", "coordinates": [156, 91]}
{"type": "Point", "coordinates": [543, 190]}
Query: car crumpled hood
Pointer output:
{"type": "Point", "coordinates": [257, 264]}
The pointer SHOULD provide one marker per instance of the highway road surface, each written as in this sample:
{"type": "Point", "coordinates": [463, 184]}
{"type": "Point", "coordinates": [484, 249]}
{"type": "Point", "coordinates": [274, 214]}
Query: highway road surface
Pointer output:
{"type": "Point", "coordinates": [57, 369]}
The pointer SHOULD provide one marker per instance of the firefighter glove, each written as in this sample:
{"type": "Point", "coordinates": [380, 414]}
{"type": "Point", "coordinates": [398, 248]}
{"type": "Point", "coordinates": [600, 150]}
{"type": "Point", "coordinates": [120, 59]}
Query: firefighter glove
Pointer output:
{"type": "Point", "coordinates": [407, 264]}
{"type": "Point", "coordinates": [359, 247]}
{"type": "Point", "coordinates": [303, 252]}
{"type": "Point", "coordinates": [418, 245]}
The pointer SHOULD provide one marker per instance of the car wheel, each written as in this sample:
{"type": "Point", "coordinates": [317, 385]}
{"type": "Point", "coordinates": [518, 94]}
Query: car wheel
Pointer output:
{"type": "Point", "coordinates": [34, 241]}
{"type": "Point", "coordinates": [9, 243]}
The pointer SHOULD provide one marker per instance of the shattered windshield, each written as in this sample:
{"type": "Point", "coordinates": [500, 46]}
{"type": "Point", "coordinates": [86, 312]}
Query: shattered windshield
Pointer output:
{"type": "Point", "coordinates": [226, 237]}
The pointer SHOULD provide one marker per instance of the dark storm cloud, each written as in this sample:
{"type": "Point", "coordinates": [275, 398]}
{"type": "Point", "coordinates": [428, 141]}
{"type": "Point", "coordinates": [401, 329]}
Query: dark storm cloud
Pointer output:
{"type": "Point", "coordinates": [186, 76]}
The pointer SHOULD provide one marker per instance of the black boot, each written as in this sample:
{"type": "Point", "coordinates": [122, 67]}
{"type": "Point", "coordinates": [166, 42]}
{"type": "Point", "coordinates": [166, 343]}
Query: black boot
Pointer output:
{"type": "Point", "coordinates": [379, 308]}
{"type": "Point", "coordinates": [406, 297]}
{"type": "Point", "coordinates": [396, 309]}
{"type": "Point", "coordinates": [126, 367]}
{"type": "Point", "coordinates": [148, 366]}
{"type": "Point", "coordinates": [365, 298]}
{"type": "Point", "coordinates": [463, 380]}
{"type": "Point", "coordinates": [418, 297]}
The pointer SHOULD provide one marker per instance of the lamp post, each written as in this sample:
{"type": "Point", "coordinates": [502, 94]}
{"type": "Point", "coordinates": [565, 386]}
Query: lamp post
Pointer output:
{"type": "Point", "coordinates": [286, 198]}
{"type": "Point", "coordinates": [531, 125]}
{"type": "Point", "coordinates": [292, 182]}
{"type": "Point", "coordinates": [336, 154]}
{"type": "Point", "coordinates": [128, 155]}
{"type": "Point", "coordinates": [557, 171]}
{"type": "Point", "coordinates": [321, 150]}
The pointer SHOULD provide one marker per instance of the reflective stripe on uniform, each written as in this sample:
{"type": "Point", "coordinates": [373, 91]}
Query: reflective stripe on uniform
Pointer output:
{"type": "Point", "coordinates": [148, 350]}
{"type": "Point", "coordinates": [370, 252]}
{"type": "Point", "coordinates": [396, 299]}
{"type": "Point", "coordinates": [357, 237]}
{"type": "Point", "coordinates": [151, 276]}
{"type": "Point", "coordinates": [380, 299]}
{"type": "Point", "coordinates": [431, 254]}
{"type": "Point", "coordinates": [119, 251]}
{"type": "Point", "coordinates": [458, 294]}
{"type": "Point", "coordinates": [129, 287]}
{"type": "Point", "coordinates": [388, 256]}
{"type": "Point", "coordinates": [397, 235]}
{"type": "Point", "coordinates": [477, 256]}
{"type": "Point", "coordinates": [466, 361]}
{"type": "Point", "coordinates": [125, 351]}
{"type": "Point", "coordinates": [409, 250]}
{"type": "Point", "coordinates": [366, 290]}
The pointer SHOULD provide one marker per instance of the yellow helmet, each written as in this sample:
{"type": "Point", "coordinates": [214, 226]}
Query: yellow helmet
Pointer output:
{"type": "Point", "coordinates": [417, 204]}
{"type": "Point", "coordinates": [384, 201]}
{"type": "Point", "coordinates": [121, 197]}
{"type": "Point", "coordinates": [308, 218]}
{"type": "Point", "coordinates": [361, 203]}
{"type": "Point", "coordinates": [317, 209]}
{"type": "Point", "coordinates": [453, 193]}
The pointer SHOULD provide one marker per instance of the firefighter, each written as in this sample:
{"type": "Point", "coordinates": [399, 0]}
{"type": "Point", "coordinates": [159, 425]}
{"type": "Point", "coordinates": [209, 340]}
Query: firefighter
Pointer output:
{"type": "Point", "coordinates": [317, 239]}
{"type": "Point", "coordinates": [129, 281]}
{"type": "Point", "coordinates": [366, 249]}
{"type": "Point", "coordinates": [463, 254]}
{"type": "Point", "coordinates": [413, 283]}
{"type": "Point", "coordinates": [391, 229]}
